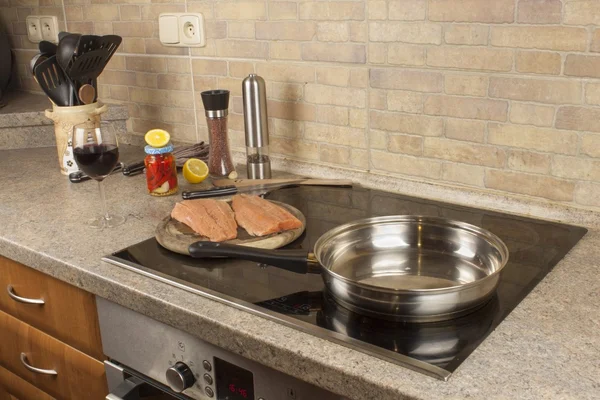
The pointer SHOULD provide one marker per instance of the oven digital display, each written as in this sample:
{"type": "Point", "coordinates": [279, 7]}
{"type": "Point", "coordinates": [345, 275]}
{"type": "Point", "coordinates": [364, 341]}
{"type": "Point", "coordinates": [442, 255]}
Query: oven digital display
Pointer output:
{"type": "Point", "coordinates": [233, 382]}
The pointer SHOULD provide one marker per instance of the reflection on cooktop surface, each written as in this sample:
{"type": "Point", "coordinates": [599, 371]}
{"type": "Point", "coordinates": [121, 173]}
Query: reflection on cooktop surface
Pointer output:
{"type": "Point", "coordinates": [300, 301]}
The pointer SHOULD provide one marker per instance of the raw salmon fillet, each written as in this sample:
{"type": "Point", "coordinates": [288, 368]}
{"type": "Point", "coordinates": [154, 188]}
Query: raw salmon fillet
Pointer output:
{"type": "Point", "coordinates": [210, 218]}
{"type": "Point", "coordinates": [261, 217]}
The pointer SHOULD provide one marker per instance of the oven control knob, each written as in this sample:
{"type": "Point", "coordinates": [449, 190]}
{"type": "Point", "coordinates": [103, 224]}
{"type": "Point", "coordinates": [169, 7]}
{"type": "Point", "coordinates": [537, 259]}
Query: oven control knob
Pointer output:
{"type": "Point", "coordinates": [180, 377]}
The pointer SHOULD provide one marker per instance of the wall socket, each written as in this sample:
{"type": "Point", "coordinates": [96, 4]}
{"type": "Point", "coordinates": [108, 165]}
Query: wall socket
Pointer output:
{"type": "Point", "coordinates": [181, 29]}
{"type": "Point", "coordinates": [42, 27]}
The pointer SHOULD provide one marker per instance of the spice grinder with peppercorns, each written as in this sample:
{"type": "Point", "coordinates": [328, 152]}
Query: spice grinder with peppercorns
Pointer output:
{"type": "Point", "coordinates": [216, 106]}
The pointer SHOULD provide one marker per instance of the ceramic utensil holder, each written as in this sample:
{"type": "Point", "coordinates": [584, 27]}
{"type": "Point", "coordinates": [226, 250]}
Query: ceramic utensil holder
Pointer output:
{"type": "Point", "coordinates": [64, 119]}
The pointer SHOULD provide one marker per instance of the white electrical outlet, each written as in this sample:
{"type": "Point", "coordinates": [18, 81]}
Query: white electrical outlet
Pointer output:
{"type": "Point", "coordinates": [42, 27]}
{"type": "Point", "coordinates": [34, 29]}
{"type": "Point", "coordinates": [181, 29]}
{"type": "Point", "coordinates": [49, 26]}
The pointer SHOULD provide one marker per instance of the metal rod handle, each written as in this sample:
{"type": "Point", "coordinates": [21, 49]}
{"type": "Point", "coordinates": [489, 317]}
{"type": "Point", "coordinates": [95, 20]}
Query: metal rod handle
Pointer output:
{"type": "Point", "coordinates": [34, 369]}
{"type": "Point", "coordinates": [20, 299]}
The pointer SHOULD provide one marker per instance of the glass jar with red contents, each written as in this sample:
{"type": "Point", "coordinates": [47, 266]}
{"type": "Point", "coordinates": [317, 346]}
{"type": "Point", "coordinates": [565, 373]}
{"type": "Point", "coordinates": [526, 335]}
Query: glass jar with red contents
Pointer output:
{"type": "Point", "coordinates": [161, 171]}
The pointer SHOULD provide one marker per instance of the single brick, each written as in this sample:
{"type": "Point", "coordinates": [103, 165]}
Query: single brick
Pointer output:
{"type": "Point", "coordinates": [414, 32]}
{"type": "Point", "coordinates": [466, 85]}
{"type": "Point", "coordinates": [464, 107]}
{"type": "Point", "coordinates": [405, 101]}
{"type": "Point", "coordinates": [576, 168]}
{"type": "Point", "coordinates": [540, 37]}
{"type": "Point", "coordinates": [580, 65]}
{"type": "Point", "coordinates": [405, 165]}
{"type": "Point", "coordinates": [407, 10]}
{"type": "Point", "coordinates": [334, 154]}
{"type": "Point", "coordinates": [339, 96]}
{"type": "Point", "coordinates": [466, 34]}
{"type": "Point", "coordinates": [578, 118]}
{"type": "Point", "coordinates": [590, 144]}
{"type": "Point", "coordinates": [539, 62]}
{"type": "Point", "coordinates": [332, 11]}
{"type": "Point", "coordinates": [286, 72]}
{"type": "Point", "coordinates": [471, 175]}
{"type": "Point", "coordinates": [285, 30]}
{"type": "Point", "coordinates": [497, 11]}
{"type": "Point", "coordinates": [405, 144]}
{"type": "Point", "coordinates": [419, 81]}
{"type": "Point", "coordinates": [582, 12]}
{"type": "Point", "coordinates": [467, 130]}
{"type": "Point", "coordinates": [468, 153]}
{"type": "Point", "coordinates": [532, 185]}
{"type": "Point", "coordinates": [402, 123]}
{"type": "Point", "coordinates": [339, 52]}
{"type": "Point", "coordinates": [470, 58]}
{"type": "Point", "coordinates": [528, 137]}
{"type": "Point", "coordinates": [531, 114]}
{"type": "Point", "coordinates": [332, 134]}
{"type": "Point", "coordinates": [403, 54]}
{"type": "Point", "coordinates": [538, 90]}
{"type": "Point", "coordinates": [527, 161]}
{"type": "Point", "coordinates": [539, 11]}
{"type": "Point", "coordinates": [587, 194]}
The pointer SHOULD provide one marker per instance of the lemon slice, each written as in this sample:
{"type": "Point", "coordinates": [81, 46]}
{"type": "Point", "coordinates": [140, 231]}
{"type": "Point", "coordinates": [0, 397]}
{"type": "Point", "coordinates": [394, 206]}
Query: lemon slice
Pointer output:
{"type": "Point", "coordinates": [157, 138]}
{"type": "Point", "coordinates": [195, 171]}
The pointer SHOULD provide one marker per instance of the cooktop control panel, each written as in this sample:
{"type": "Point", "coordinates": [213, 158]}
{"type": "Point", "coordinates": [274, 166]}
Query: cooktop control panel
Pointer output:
{"type": "Point", "coordinates": [191, 366]}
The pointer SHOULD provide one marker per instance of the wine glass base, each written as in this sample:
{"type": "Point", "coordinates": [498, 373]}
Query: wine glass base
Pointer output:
{"type": "Point", "coordinates": [103, 222]}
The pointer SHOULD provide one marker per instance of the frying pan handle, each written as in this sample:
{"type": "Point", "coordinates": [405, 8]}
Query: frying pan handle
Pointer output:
{"type": "Point", "coordinates": [297, 261]}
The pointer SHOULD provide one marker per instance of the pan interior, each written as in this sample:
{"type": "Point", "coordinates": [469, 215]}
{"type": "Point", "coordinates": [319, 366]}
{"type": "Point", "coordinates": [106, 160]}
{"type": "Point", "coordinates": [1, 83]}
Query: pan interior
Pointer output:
{"type": "Point", "coordinates": [410, 255]}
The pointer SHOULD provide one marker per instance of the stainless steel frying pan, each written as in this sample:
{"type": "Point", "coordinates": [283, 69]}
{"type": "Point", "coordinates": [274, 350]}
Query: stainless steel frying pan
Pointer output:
{"type": "Point", "coordinates": [410, 268]}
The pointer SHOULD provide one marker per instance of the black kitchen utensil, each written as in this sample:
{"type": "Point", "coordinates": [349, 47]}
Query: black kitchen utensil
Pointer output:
{"type": "Point", "coordinates": [47, 47]}
{"type": "Point", "coordinates": [89, 65]}
{"type": "Point", "coordinates": [37, 59]}
{"type": "Point", "coordinates": [67, 47]}
{"type": "Point", "coordinates": [54, 82]}
{"type": "Point", "coordinates": [87, 43]}
{"type": "Point", "coordinates": [135, 168]}
{"type": "Point", "coordinates": [61, 35]}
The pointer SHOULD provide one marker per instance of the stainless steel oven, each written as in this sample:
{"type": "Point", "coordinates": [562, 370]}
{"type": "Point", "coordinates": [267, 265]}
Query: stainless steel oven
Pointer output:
{"type": "Point", "coordinates": [149, 360]}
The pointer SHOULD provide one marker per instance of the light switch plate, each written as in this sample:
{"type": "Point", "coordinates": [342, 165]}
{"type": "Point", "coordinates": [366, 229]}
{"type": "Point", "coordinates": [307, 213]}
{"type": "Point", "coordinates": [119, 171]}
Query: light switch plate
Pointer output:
{"type": "Point", "coordinates": [181, 29]}
{"type": "Point", "coordinates": [168, 29]}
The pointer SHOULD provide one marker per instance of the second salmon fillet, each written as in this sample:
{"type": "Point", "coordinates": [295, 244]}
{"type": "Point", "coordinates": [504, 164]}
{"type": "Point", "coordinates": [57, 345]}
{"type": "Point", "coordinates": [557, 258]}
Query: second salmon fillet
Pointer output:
{"type": "Point", "coordinates": [210, 218]}
{"type": "Point", "coordinates": [260, 217]}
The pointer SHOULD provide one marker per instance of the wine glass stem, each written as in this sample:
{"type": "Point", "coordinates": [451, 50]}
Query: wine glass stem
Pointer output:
{"type": "Point", "coordinates": [103, 199]}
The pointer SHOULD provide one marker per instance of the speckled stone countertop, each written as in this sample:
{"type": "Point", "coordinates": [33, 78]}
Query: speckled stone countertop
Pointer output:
{"type": "Point", "coordinates": [547, 348]}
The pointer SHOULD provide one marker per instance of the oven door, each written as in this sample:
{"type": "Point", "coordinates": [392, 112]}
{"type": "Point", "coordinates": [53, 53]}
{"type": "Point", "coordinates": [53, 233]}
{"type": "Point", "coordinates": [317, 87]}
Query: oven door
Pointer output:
{"type": "Point", "coordinates": [127, 384]}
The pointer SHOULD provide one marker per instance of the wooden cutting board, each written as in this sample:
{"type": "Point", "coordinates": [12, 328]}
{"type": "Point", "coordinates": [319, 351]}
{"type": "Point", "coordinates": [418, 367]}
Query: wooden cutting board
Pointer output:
{"type": "Point", "coordinates": [176, 236]}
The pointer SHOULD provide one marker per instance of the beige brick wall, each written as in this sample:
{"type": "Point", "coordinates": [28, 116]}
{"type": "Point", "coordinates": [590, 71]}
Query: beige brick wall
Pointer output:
{"type": "Point", "coordinates": [498, 95]}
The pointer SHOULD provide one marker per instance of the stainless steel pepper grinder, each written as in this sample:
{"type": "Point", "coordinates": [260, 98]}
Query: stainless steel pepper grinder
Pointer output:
{"type": "Point", "coordinates": [256, 125]}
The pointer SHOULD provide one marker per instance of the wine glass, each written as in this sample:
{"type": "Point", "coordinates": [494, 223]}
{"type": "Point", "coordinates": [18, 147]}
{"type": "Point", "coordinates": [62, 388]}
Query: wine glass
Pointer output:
{"type": "Point", "coordinates": [96, 152]}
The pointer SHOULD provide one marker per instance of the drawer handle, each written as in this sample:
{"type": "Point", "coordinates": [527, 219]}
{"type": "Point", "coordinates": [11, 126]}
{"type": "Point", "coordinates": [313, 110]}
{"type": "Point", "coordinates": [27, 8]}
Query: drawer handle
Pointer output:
{"type": "Point", "coordinates": [11, 293]}
{"type": "Point", "coordinates": [34, 369]}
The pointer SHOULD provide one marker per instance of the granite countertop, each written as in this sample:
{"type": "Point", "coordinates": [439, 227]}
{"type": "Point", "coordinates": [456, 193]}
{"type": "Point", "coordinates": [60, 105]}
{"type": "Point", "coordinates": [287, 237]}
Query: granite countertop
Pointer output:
{"type": "Point", "coordinates": [547, 348]}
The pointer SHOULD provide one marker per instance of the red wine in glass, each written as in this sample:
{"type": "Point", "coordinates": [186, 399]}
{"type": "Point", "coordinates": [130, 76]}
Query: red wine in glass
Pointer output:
{"type": "Point", "coordinates": [96, 151]}
{"type": "Point", "coordinates": [97, 160]}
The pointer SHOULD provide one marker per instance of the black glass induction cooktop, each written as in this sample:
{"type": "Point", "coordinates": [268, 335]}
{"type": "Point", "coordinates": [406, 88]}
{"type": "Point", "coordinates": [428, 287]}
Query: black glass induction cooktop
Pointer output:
{"type": "Point", "coordinates": [300, 301]}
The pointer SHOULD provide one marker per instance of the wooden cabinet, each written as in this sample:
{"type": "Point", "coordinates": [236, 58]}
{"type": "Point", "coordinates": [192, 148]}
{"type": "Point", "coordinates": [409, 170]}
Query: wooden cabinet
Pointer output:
{"type": "Point", "coordinates": [75, 372]}
{"type": "Point", "coordinates": [13, 387]}
{"type": "Point", "coordinates": [68, 313]}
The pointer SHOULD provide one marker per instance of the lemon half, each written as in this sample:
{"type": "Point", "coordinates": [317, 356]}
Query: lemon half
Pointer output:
{"type": "Point", "coordinates": [157, 138]}
{"type": "Point", "coordinates": [195, 170]}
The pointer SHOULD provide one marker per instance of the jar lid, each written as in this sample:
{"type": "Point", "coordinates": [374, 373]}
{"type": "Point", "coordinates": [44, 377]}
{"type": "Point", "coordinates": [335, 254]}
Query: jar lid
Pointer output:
{"type": "Point", "coordinates": [158, 150]}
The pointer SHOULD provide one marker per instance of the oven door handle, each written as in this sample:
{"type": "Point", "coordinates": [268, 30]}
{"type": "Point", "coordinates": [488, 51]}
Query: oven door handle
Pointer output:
{"type": "Point", "coordinates": [129, 389]}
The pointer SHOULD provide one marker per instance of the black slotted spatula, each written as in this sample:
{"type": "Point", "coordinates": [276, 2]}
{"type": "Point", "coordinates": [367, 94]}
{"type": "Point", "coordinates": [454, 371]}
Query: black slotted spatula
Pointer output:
{"type": "Point", "coordinates": [53, 82]}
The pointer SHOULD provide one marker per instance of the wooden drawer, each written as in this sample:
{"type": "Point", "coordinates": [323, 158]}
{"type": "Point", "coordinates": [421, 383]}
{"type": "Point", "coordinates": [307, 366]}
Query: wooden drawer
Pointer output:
{"type": "Point", "coordinates": [76, 373]}
{"type": "Point", "coordinates": [68, 313]}
{"type": "Point", "coordinates": [13, 387]}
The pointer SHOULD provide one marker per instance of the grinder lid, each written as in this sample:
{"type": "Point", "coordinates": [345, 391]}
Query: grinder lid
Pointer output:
{"type": "Point", "coordinates": [215, 100]}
